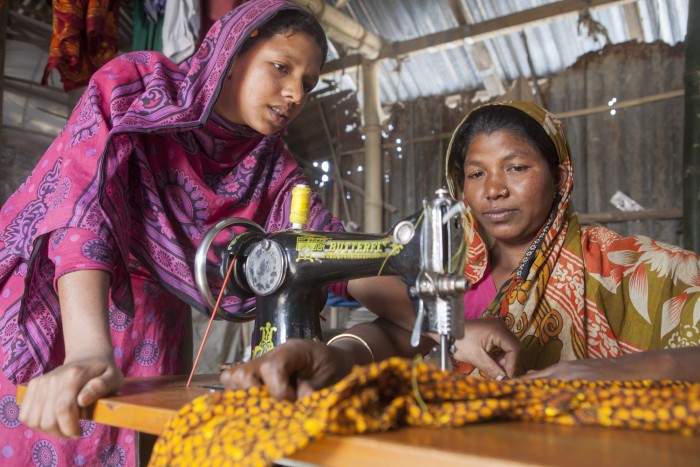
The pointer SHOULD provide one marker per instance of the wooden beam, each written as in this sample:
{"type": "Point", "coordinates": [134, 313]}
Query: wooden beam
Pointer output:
{"type": "Point", "coordinates": [458, 12]}
{"type": "Point", "coordinates": [446, 135]}
{"type": "Point", "coordinates": [37, 9]}
{"type": "Point", "coordinates": [336, 162]}
{"type": "Point", "coordinates": [621, 104]}
{"type": "Point", "coordinates": [634, 23]}
{"type": "Point", "coordinates": [488, 29]}
{"type": "Point", "coordinates": [27, 87]}
{"type": "Point", "coordinates": [627, 216]}
{"type": "Point", "coordinates": [349, 186]}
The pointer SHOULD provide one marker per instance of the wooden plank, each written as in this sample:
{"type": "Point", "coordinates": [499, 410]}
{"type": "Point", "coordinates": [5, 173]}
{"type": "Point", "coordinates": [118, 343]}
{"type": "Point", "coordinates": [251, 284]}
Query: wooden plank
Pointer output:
{"type": "Point", "coordinates": [626, 216]}
{"type": "Point", "coordinates": [621, 104]}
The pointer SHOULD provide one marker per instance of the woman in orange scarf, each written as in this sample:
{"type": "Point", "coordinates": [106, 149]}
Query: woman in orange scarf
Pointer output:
{"type": "Point", "coordinates": [566, 302]}
{"type": "Point", "coordinates": [584, 302]}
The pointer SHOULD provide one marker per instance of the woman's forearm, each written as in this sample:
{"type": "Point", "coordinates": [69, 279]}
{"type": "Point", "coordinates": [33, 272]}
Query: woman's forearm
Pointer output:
{"type": "Point", "coordinates": [84, 301]}
{"type": "Point", "coordinates": [89, 372]}
{"type": "Point", "coordinates": [667, 364]}
{"type": "Point", "coordinates": [384, 339]}
{"type": "Point", "coordinates": [675, 364]}
{"type": "Point", "coordinates": [390, 335]}
{"type": "Point", "coordinates": [385, 296]}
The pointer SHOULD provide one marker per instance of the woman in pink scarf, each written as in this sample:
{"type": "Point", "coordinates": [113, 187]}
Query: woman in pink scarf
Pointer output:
{"type": "Point", "coordinates": [97, 245]}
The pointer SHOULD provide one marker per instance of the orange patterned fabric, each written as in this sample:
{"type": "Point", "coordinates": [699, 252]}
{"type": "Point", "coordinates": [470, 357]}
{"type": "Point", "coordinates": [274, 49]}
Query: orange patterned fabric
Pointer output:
{"type": "Point", "coordinates": [84, 39]}
{"type": "Point", "coordinates": [251, 428]}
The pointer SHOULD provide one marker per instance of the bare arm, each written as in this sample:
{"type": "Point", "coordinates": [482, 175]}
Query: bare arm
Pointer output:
{"type": "Point", "coordinates": [52, 402]}
{"type": "Point", "coordinates": [487, 344]}
{"type": "Point", "coordinates": [387, 297]}
{"type": "Point", "coordinates": [674, 364]}
{"type": "Point", "coordinates": [298, 367]}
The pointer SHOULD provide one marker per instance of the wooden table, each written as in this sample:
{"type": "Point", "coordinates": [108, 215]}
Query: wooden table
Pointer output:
{"type": "Point", "coordinates": [146, 404]}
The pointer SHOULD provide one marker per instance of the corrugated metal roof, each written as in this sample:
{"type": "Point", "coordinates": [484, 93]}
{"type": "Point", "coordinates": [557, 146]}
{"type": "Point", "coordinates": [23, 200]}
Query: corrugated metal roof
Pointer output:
{"type": "Point", "coordinates": [537, 49]}
{"type": "Point", "coordinates": [552, 44]}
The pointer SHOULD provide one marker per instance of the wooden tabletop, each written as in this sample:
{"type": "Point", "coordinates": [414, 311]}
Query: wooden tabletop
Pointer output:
{"type": "Point", "coordinates": [146, 404]}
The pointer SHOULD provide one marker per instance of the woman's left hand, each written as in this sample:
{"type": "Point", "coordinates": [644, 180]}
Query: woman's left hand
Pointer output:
{"type": "Point", "coordinates": [599, 369]}
{"type": "Point", "coordinates": [489, 345]}
{"type": "Point", "coordinates": [672, 364]}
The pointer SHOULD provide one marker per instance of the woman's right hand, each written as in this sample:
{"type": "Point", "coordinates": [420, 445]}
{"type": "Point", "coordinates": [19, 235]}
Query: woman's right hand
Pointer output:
{"type": "Point", "coordinates": [490, 346]}
{"type": "Point", "coordinates": [291, 371]}
{"type": "Point", "coordinates": [53, 401]}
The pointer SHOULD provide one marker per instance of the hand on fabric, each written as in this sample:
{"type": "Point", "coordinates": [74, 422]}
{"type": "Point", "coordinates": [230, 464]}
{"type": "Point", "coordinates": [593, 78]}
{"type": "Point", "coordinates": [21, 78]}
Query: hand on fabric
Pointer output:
{"type": "Point", "coordinates": [53, 401]}
{"type": "Point", "coordinates": [671, 364]}
{"type": "Point", "coordinates": [490, 346]}
{"type": "Point", "coordinates": [293, 370]}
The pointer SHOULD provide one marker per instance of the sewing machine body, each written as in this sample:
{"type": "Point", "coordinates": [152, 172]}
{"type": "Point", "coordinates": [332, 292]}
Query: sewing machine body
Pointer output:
{"type": "Point", "coordinates": [288, 271]}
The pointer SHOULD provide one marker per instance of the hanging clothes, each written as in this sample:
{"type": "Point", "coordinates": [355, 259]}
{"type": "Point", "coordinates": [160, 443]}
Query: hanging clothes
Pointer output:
{"type": "Point", "coordinates": [154, 9]}
{"type": "Point", "coordinates": [84, 39]}
{"type": "Point", "coordinates": [181, 29]}
{"type": "Point", "coordinates": [147, 34]}
{"type": "Point", "coordinates": [212, 10]}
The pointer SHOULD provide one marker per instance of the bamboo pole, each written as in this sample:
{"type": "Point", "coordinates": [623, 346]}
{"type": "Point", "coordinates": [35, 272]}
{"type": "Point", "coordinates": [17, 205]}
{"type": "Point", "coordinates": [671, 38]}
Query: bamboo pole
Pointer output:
{"type": "Point", "coordinates": [3, 45]}
{"type": "Point", "coordinates": [373, 147]}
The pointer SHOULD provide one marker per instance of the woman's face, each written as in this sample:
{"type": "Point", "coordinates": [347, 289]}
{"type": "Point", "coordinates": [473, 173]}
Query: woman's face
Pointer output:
{"type": "Point", "coordinates": [509, 186]}
{"type": "Point", "coordinates": [268, 85]}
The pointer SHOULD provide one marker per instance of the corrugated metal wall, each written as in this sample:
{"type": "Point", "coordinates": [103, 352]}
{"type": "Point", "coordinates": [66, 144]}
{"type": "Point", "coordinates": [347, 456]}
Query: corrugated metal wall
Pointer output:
{"type": "Point", "coordinates": [639, 150]}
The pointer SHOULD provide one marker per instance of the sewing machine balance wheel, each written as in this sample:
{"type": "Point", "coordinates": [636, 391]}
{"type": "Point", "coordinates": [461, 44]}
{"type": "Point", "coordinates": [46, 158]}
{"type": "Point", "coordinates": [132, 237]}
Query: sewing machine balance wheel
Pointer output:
{"type": "Point", "coordinates": [200, 264]}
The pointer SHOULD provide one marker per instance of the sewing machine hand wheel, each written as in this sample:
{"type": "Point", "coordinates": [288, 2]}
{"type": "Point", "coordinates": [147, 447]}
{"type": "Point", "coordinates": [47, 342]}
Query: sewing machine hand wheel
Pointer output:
{"type": "Point", "coordinates": [200, 265]}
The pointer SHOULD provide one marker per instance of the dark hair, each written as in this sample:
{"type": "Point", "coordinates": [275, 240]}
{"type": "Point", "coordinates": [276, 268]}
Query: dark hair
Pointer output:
{"type": "Point", "coordinates": [288, 22]}
{"type": "Point", "coordinates": [492, 118]}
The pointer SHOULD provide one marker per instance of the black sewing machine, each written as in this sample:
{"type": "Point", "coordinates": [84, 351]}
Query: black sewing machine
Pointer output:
{"type": "Point", "coordinates": [287, 272]}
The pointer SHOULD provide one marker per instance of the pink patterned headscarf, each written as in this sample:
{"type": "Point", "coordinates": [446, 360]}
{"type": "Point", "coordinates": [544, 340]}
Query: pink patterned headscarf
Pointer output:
{"type": "Point", "coordinates": [147, 166]}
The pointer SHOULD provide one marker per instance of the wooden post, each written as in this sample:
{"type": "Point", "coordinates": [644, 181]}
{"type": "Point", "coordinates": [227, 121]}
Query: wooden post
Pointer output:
{"type": "Point", "coordinates": [3, 41]}
{"type": "Point", "coordinates": [373, 148]}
